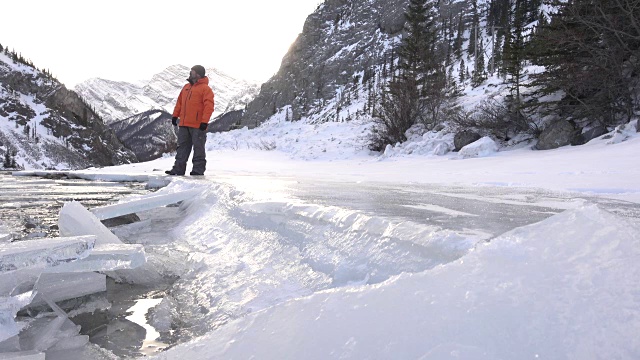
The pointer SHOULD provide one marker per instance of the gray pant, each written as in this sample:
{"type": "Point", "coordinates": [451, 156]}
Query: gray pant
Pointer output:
{"type": "Point", "coordinates": [187, 138]}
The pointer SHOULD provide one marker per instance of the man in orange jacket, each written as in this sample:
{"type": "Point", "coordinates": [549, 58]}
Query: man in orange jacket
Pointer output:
{"type": "Point", "coordinates": [193, 110]}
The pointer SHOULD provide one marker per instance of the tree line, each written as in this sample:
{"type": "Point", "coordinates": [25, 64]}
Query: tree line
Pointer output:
{"type": "Point", "coordinates": [588, 50]}
{"type": "Point", "coordinates": [18, 58]}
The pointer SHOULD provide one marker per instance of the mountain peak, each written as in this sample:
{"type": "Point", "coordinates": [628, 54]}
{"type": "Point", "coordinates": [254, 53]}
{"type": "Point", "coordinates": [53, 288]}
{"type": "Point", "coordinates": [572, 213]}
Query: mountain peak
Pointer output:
{"type": "Point", "coordinates": [117, 100]}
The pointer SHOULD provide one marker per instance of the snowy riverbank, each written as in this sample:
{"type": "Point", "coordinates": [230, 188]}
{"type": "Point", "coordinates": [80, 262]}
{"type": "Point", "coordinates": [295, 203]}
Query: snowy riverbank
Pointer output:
{"type": "Point", "coordinates": [282, 256]}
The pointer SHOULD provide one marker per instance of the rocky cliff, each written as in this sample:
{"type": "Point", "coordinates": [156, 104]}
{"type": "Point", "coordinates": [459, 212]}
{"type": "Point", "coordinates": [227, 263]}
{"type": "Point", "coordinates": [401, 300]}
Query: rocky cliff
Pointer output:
{"type": "Point", "coordinates": [148, 134]}
{"type": "Point", "coordinates": [340, 43]}
{"type": "Point", "coordinates": [45, 125]}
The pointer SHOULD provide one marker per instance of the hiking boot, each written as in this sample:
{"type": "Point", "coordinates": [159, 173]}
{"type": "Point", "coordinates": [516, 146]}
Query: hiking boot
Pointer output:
{"type": "Point", "coordinates": [171, 172]}
{"type": "Point", "coordinates": [195, 174]}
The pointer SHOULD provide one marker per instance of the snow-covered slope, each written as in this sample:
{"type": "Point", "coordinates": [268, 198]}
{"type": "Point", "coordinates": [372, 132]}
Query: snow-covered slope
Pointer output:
{"type": "Point", "coordinates": [118, 100]}
{"type": "Point", "coordinates": [44, 125]}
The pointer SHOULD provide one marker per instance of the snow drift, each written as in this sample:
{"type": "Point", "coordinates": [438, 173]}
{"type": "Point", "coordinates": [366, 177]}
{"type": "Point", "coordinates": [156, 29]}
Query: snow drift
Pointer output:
{"type": "Point", "coordinates": [564, 288]}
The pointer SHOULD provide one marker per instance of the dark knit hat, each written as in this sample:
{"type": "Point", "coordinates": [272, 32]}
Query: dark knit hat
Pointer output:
{"type": "Point", "coordinates": [199, 69]}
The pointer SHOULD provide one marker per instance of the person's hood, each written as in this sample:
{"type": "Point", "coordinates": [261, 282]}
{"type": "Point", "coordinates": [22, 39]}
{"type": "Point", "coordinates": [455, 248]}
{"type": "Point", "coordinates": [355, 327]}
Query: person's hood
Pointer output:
{"type": "Point", "coordinates": [204, 80]}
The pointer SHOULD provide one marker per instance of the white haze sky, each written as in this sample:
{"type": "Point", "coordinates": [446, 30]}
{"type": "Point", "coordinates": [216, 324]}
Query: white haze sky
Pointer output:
{"type": "Point", "coordinates": [134, 39]}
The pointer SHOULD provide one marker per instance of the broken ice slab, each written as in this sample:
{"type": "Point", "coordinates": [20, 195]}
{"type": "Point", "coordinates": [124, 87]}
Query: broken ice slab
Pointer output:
{"type": "Point", "coordinates": [5, 235]}
{"type": "Point", "coordinates": [40, 173]}
{"type": "Point", "coordinates": [76, 220]}
{"type": "Point", "coordinates": [19, 281]}
{"type": "Point", "coordinates": [9, 307]}
{"type": "Point", "coordinates": [144, 203]}
{"type": "Point", "coordinates": [8, 327]}
{"type": "Point", "coordinates": [53, 333]}
{"type": "Point", "coordinates": [109, 252]}
{"type": "Point", "coordinates": [44, 252]}
{"type": "Point", "coordinates": [65, 286]}
{"type": "Point", "coordinates": [23, 355]}
{"type": "Point", "coordinates": [107, 257]}
{"type": "Point", "coordinates": [45, 333]}
{"type": "Point", "coordinates": [157, 182]}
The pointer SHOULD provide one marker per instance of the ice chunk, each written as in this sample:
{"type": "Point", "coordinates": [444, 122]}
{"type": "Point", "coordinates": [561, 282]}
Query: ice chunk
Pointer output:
{"type": "Point", "coordinates": [41, 334]}
{"type": "Point", "coordinates": [75, 220]}
{"type": "Point", "coordinates": [9, 307]}
{"type": "Point", "coordinates": [19, 281]}
{"type": "Point", "coordinates": [23, 355]}
{"type": "Point", "coordinates": [107, 257]}
{"type": "Point", "coordinates": [5, 234]}
{"type": "Point", "coordinates": [44, 252]}
{"type": "Point", "coordinates": [46, 333]}
{"type": "Point", "coordinates": [157, 181]}
{"type": "Point", "coordinates": [64, 286]}
{"type": "Point", "coordinates": [143, 203]}
{"type": "Point", "coordinates": [72, 342]}
{"type": "Point", "coordinates": [8, 327]}
{"type": "Point", "coordinates": [41, 173]}
{"type": "Point", "coordinates": [11, 344]}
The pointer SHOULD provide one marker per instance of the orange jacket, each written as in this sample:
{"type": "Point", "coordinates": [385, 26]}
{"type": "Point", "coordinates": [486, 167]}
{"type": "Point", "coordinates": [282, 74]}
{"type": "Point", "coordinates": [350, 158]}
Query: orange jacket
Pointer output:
{"type": "Point", "coordinates": [195, 104]}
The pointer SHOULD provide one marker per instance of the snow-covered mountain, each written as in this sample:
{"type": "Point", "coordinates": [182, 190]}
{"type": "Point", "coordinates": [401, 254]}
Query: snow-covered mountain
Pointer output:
{"type": "Point", "coordinates": [339, 67]}
{"type": "Point", "coordinates": [118, 100]}
{"type": "Point", "coordinates": [44, 125]}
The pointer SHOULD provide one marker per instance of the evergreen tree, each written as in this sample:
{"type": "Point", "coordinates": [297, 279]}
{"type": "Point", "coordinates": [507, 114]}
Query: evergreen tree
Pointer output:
{"type": "Point", "coordinates": [457, 43]}
{"type": "Point", "coordinates": [419, 42]}
{"type": "Point", "coordinates": [475, 28]}
{"type": "Point", "coordinates": [479, 74]}
{"type": "Point", "coordinates": [404, 100]}
{"type": "Point", "coordinates": [590, 52]}
{"type": "Point", "coordinates": [7, 160]}
{"type": "Point", "coordinates": [513, 52]}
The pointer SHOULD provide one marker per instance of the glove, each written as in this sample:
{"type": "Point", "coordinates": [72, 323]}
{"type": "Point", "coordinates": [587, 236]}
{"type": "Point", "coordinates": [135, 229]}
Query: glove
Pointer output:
{"type": "Point", "coordinates": [174, 121]}
{"type": "Point", "coordinates": [203, 126]}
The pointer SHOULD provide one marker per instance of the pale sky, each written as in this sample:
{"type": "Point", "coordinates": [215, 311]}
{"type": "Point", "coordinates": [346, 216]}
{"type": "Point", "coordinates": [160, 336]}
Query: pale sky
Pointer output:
{"type": "Point", "coordinates": [133, 39]}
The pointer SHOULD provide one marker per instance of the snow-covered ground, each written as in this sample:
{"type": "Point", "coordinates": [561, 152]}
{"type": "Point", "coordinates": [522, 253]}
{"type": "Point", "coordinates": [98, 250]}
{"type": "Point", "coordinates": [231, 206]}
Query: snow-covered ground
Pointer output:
{"type": "Point", "coordinates": [302, 244]}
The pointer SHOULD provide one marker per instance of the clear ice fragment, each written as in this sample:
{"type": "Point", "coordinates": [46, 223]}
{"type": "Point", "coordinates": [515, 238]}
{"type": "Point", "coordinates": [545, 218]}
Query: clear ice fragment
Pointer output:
{"type": "Point", "coordinates": [107, 257]}
{"type": "Point", "coordinates": [44, 252]}
{"type": "Point", "coordinates": [143, 203]}
{"type": "Point", "coordinates": [76, 220]}
{"type": "Point", "coordinates": [64, 286]}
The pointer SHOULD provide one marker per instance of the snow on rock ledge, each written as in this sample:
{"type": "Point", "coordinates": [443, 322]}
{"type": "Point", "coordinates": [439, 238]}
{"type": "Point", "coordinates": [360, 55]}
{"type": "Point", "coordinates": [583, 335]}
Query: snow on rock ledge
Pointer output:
{"type": "Point", "coordinates": [480, 148]}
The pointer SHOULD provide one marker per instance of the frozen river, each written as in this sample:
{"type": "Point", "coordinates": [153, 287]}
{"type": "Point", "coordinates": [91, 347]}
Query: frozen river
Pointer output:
{"type": "Point", "coordinates": [488, 210]}
{"type": "Point", "coordinates": [29, 206]}
{"type": "Point", "coordinates": [248, 243]}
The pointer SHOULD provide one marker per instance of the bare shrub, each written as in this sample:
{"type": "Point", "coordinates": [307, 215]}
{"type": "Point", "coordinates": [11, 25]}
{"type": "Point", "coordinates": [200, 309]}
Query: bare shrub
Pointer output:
{"type": "Point", "coordinates": [267, 145]}
{"type": "Point", "coordinates": [500, 120]}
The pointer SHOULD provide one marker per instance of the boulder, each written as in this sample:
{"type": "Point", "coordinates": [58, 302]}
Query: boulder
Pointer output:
{"type": "Point", "coordinates": [465, 138]}
{"type": "Point", "coordinates": [588, 135]}
{"type": "Point", "coordinates": [557, 134]}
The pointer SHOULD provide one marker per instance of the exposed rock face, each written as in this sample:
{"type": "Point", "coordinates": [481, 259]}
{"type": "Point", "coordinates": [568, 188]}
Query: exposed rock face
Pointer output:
{"type": "Point", "coordinates": [588, 135]}
{"type": "Point", "coordinates": [149, 134]}
{"type": "Point", "coordinates": [119, 100]}
{"type": "Point", "coordinates": [465, 138]}
{"type": "Point", "coordinates": [225, 122]}
{"type": "Point", "coordinates": [340, 40]}
{"type": "Point", "coordinates": [46, 126]}
{"type": "Point", "coordinates": [558, 134]}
